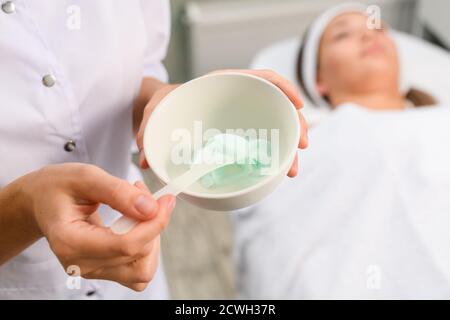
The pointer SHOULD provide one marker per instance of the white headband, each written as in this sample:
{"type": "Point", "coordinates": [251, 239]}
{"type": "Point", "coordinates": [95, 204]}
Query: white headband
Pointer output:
{"type": "Point", "coordinates": [311, 48]}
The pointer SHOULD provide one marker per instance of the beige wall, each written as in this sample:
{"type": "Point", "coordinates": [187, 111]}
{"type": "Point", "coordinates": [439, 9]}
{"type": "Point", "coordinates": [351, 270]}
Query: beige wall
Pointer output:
{"type": "Point", "coordinates": [434, 14]}
{"type": "Point", "coordinates": [176, 61]}
{"type": "Point", "coordinates": [177, 57]}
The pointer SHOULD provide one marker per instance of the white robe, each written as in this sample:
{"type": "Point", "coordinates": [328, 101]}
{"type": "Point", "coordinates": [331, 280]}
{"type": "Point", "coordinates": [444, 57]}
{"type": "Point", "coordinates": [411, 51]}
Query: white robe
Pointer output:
{"type": "Point", "coordinates": [367, 217]}
{"type": "Point", "coordinates": [97, 52]}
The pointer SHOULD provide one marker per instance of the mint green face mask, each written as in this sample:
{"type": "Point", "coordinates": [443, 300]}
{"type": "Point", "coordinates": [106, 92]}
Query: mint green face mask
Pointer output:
{"type": "Point", "coordinates": [248, 158]}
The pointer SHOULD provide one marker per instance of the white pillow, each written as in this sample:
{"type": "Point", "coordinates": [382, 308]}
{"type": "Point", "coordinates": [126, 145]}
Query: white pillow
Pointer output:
{"type": "Point", "coordinates": [424, 66]}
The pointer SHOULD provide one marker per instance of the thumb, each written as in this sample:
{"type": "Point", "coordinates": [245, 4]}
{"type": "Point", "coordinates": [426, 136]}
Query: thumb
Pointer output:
{"type": "Point", "coordinates": [130, 200]}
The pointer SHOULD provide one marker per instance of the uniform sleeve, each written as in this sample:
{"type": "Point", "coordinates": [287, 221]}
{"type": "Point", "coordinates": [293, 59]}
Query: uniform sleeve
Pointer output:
{"type": "Point", "coordinates": [157, 22]}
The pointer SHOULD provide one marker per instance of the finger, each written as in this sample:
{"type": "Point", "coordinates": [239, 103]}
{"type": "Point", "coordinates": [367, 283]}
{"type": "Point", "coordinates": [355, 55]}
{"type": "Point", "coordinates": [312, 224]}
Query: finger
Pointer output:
{"type": "Point", "coordinates": [147, 231]}
{"type": "Point", "coordinates": [97, 185]}
{"type": "Point", "coordinates": [141, 186]}
{"type": "Point", "coordinates": [142, 161]}
{"type": "Point", "coordinates": [139, 287]}
{"type": "Point", "coordinates": [304, 141]}
{"type": "Point", "coordinates": [138, 271]}
{"type": "Point", "coordinates": [147, 112]}
{"type": "Point", "coordinates": [151, 105]}
{"type": "Point", "coordinates": [87, 240]}
{"type": "Point", "coordinates": [91, 264]}
{"type": "Point", "coordinates": [96, 219]}
{"type": "Point", "coordinates": [294, 168]}
{"type": "Point", "coordinates": [80, 240]}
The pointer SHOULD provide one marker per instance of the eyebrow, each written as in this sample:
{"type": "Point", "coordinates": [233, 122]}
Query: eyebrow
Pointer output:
{"type": "Point", "coordinates": [340, 22]}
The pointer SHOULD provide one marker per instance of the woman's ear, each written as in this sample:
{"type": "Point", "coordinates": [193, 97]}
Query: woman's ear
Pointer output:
{"type": "Point", "coordinates": [321, 87]}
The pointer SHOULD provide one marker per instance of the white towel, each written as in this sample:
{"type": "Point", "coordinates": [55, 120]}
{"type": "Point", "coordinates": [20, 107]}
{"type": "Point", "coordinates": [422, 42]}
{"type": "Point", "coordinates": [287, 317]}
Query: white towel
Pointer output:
{"type": "Point", "coordinates": [367, 217]}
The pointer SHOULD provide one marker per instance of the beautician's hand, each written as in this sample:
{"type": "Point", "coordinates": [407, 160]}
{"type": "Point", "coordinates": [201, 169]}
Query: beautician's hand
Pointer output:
{"type": "Point", "coordinates": [289, 90]}
{"type": "Point", "coordinates": [63, 202]}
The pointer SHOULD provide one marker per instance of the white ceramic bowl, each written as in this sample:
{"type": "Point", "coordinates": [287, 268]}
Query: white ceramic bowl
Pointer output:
{"type": "Point", "coordinates": [222, 101]}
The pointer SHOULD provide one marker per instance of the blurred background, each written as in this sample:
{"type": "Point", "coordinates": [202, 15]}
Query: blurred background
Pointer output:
{"type": "Point", "coordinates": [215, 34]}
{"type": "Point", "coordinates": [212, 34]}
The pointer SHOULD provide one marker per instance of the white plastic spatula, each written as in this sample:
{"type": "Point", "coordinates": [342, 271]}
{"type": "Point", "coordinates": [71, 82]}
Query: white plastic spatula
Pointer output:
{"type": "Point", "coordinates": [226, 148]}
{"type": "Point", "coordinates": [175, 187]}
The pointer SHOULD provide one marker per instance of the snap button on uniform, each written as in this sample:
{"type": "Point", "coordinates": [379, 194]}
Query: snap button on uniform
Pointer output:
{"type": "Point", "coordinates": [70, 146]}
{"type": "Point", "coordinates": [8, 7]}
{"type": "Point", "coordinates": [49, 80]}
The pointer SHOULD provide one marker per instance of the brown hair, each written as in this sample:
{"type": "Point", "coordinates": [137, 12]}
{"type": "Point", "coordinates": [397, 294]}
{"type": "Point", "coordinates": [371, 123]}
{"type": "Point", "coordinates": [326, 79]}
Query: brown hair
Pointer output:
{"type": "Point", "coordinates": [417, 97]}
{"type": "Point", "coordinates": [420, 98]}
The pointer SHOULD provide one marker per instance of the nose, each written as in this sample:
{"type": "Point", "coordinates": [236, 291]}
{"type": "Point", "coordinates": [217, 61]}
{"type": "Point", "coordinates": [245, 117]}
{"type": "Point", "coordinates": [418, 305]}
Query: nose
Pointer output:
{"type": "Point", "coordinates": [368, 34]}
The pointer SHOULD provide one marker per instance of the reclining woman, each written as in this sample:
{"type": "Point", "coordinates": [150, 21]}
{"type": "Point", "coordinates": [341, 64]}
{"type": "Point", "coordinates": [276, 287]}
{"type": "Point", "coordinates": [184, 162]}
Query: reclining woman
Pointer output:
{"type": "Point", "coordinates": [367, 216]}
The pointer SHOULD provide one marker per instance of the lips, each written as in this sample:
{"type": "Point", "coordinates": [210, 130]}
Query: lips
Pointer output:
{"type": "Point", "coordinates": [374, 49]}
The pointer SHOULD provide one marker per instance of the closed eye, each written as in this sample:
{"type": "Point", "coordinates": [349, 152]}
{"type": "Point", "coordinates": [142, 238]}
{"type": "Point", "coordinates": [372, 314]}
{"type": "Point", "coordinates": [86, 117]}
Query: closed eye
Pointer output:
{"type": "Point", "coordinates": [341, 35]}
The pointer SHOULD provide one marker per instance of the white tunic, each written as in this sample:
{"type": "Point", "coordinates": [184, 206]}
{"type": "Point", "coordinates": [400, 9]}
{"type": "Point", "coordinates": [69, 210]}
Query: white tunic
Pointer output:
{"type": "Point", "coordinates": [69, 72]}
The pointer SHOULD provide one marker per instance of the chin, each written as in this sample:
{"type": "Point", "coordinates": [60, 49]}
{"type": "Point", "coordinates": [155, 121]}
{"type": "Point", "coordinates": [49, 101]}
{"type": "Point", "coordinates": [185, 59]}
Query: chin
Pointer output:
{"type": "Point", "coordinates": [378, 65]}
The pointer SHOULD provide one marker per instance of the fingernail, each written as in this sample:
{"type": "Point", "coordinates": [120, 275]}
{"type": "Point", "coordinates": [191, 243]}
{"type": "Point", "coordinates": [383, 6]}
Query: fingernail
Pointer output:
{"type": "Point", "coordinates": [145, 205]}
{"type": "Point", "coordinates": [141, 158]}
{"type": "Point", "coordinates": [171, 204]}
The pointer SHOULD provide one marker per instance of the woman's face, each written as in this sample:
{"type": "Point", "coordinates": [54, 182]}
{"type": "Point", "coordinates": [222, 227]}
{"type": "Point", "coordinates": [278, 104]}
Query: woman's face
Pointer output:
{"type": "Point", "coordinates": [354, 59]}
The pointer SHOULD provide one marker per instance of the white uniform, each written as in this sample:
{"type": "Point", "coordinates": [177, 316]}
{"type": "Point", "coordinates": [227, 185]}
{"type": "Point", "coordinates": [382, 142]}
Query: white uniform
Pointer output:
{"type": "Point", "coordinates": [69, 72]}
